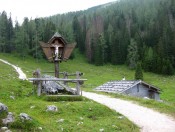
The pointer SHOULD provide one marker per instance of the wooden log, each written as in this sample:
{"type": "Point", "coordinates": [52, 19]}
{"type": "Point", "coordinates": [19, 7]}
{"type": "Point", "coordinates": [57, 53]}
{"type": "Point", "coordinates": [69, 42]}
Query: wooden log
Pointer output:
{"type": "Point", "coordinates": [57, 69]}
{"type": "Point", "coordinates": [78, 83]}
{"type": "Point", "coordinates": [68, 74]}
{"type": "Point", "coordinates": [75, 74]}
{"type": "Point", "coordinates": [56, 79]}
{"type": "Point", "coordinates": [53, 72]}
{"type": "Point", "coordinates": [37, 74]}
{"type": "Point", "coordinates": [65, 77]}
{"type": "Point", "coordinates": [39, 88]}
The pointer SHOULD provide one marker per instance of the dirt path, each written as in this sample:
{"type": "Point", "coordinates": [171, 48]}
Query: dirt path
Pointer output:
{"type": "Point", "coordinates": [22, 75]}
{"type": "Point", "coordinates": [147, 119]}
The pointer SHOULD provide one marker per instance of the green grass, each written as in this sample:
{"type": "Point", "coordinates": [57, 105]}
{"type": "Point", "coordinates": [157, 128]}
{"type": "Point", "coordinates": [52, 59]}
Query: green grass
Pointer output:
{"type": "Point", "coordinates": [83, 116]}
{"type": "Point", "coordinates": [63, 98]}
{"type": "Point", "coordinates": [98, 75]}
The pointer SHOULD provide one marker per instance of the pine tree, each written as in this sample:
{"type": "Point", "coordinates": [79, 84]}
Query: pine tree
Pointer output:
{"type": "Point", "coordinates": [138, 72]}
{"type": "Point", "coordinates": [132, 54]}
{"type": "Point", "coordinates": [3, 31]}
{"type": "Point", "coordinates": [78, 34]}
{"type": "Point", "coordinates": [148, 59]}
{"type": "Point", "coordinates": [10, 35]}
{"type": "Point", "coordinates": [100, 50]}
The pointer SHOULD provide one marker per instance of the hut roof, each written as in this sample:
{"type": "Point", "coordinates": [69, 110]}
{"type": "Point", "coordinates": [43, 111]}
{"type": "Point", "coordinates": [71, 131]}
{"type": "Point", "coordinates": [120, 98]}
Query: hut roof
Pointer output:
{"type": "Point", "coordinates": [123, 85]}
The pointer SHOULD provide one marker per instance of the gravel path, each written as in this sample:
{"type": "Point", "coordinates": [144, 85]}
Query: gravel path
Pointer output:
{"type": "Point", "coordinates": [22, 75]}
{"type": "Point", "coordinates": [148, 120]}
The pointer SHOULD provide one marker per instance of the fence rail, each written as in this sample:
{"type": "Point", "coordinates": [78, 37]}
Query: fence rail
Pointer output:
{"type": "Point", "coordinates": [38, 80]}
{"type": "Point", "coordinates": [56, 79]}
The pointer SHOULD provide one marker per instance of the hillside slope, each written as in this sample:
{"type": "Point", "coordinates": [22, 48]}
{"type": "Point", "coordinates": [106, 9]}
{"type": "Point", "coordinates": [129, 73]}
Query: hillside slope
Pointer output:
{"type": "Point", "coordinates": [98, 75]}
{"type": "Point", "coordinates": [132, 111]}
{"type": "Point", "coordinates": [84, 116]}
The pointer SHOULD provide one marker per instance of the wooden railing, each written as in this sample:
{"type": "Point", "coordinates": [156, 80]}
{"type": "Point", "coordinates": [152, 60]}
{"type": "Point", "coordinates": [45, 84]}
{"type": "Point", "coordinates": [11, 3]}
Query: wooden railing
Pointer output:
{"type": "Point", "coordinates": [37, 80]}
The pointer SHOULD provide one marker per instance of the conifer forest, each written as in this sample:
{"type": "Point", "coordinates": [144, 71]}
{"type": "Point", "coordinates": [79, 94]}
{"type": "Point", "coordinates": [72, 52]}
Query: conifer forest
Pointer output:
{"type": "Point", "coordinates": [122, 32]}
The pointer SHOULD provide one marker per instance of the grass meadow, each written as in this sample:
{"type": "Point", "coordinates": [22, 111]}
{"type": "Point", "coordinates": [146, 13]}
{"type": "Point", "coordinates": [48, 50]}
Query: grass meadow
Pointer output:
{"type": "Point", "coordinates": [77, 115]}
{"type": "Point", "coordinates": [82, 116]}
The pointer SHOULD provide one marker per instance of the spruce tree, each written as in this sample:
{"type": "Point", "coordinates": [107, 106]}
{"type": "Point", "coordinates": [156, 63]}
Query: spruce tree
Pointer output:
{"type": "Point", "coordinates": [138, 72]}
{"type": "Point", "coordinates": [132, 54]}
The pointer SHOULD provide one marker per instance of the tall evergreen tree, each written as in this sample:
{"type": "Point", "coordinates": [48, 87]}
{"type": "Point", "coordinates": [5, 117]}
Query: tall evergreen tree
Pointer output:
{"type": "Point", "coordinates": [138, 72]}
{"type": "Point", "coordinates": [148, 59]}
{"type": "Point", "coordinates": [10, 36]}
{"type": "Point", "coordinates": [78, 34]}
{"type": "Point", "coordinates": [3, 31]}
{"type": "Point", "coordinates": [132, 54]}
{"type": "Point", "coordinates": [100, 50]}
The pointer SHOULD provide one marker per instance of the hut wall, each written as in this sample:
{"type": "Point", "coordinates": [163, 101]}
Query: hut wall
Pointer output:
{"type": "Point", "coordinates": [140, 90]}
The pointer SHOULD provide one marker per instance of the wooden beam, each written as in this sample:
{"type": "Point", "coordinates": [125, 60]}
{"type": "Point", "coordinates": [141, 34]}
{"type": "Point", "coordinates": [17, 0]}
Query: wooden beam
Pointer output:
{"type": "Point", "coordinates": [78, 83]}
{"type": "Point", "coordinates": [55, 79]}
{"type": "Point", "coordinates": [57, 69]}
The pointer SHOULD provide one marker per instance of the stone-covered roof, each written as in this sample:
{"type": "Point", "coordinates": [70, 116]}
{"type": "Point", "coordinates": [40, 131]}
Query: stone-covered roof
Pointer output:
{"type": "Point", "coordinates": [123, 85]}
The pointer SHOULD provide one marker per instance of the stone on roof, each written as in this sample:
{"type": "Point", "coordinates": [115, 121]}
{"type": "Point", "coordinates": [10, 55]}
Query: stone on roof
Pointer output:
{"type": "Point", "coordinates": [121, 86]}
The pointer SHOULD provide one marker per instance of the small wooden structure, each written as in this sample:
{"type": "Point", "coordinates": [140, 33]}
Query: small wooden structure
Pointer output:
{"type": "Point", "coordinates": [37, 80]}
{"type": "Point", "coordinates": [134, 88]}
{"type": "Point", "coordinates": [57, 50]}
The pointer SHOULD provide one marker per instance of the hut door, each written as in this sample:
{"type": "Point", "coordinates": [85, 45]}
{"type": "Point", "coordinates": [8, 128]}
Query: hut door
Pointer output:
{"type": "Point", "coordinates": [151, 95]}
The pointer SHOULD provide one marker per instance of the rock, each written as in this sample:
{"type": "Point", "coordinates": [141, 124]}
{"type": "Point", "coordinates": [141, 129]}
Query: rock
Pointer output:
{"type": "Point", "coordinates": [120, 117]}
{"type": "Point", "coordinates": [4, 128]}
{"type": "Point", "coordinates": [25, 116]}
{"type": "Point", "coordinates": [51, 87]}
{"type": "Point", "coordinates": [101, 130]}
{"type": "Point", "coordinates": [146, 98]}
{"type": "Point", "coordinates": [12, 97]}
{"type": "Point", "coordinates": [31, 107]}
{"type": "Point", "coordinates": [9, 119]}
{"type": "Point", "coordinates": [52, 108]}
{"type": "Point", "coordinates": [60, 120]}
{"type": "Point", "coordinates": [40, 128]}
{"type": "Point", "coordinates": [160, 100]}
{"type": "Point", "coordinates": [8, 131]}
{"type": "Point", "coordinates": [79, 123]}
{"type": "Point", "coordinates": [3, 108]}
{"type": "Point", "coordinates": [81, 118]}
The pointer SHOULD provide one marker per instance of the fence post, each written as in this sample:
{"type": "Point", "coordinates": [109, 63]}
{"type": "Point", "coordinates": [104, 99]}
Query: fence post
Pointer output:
{"type": "Point", "coordinates": [78, 83]}
{"type": "Point", "coordinates": [37, 74]}
{"type": "Point", "coordinates": [65, 75]}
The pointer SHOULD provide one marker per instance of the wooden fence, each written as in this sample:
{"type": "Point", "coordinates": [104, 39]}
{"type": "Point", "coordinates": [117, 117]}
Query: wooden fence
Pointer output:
{"type": "Point", "coordinates": [37, 80]}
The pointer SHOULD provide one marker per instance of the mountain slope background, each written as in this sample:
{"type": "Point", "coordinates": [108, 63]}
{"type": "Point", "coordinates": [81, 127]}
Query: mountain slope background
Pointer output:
{"type": "Point", "coordinates": [122, 32]}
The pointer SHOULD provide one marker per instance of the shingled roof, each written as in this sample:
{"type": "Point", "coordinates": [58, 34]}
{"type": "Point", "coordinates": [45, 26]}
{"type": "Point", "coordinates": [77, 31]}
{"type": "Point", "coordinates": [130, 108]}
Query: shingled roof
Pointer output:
{"type": "Point", "coordinates": [57, 35]}
{"type": "Point", "coordinates": [121, 86]}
